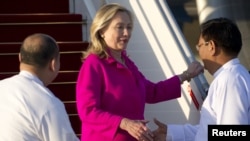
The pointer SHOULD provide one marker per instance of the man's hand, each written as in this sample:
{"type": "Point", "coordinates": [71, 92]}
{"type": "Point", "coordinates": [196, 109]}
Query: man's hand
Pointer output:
{"type": "Point", "coordinates": [160, 134]}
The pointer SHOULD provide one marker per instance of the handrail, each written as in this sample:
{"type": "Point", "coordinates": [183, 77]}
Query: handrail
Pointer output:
{"type": "Point", "coordinates": [200, 81]}
{"type": "Point", "coordinates": [91, 8]}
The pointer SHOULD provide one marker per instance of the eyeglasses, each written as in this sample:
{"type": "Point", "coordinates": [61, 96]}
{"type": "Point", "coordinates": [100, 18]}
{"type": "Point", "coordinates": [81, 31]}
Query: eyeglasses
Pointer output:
{"type": "Point", "coordinates": [199, 45]}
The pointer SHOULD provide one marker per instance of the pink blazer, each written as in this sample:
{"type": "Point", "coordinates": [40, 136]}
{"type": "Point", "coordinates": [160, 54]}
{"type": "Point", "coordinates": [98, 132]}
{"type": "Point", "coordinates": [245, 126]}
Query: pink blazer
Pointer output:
{"type": "Point", "coordinates": [106, 91]}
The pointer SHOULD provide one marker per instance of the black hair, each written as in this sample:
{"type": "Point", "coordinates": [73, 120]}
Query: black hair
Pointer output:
{"type": "Point", "coordinates": [39, 50]}
{"type": "Point", "coordinates": [225, 33]}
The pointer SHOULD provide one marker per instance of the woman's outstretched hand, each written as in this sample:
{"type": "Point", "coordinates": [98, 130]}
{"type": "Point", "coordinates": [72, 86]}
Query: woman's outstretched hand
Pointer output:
{"type": "Point", "coordinates": [137, 129]}
{"type": "Point", "coordinates": [194, 69]}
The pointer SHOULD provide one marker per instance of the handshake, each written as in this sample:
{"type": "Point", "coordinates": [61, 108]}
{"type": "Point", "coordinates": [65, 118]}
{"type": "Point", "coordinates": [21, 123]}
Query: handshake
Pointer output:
{"type": "Point", "coordinates": [139, 130]}
{"type": "Point", "coordinates": [160, 134]}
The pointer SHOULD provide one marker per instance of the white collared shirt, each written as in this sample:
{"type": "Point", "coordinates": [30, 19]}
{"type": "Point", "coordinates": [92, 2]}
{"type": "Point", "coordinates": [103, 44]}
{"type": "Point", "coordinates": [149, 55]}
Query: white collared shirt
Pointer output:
{"type": "Point", "coordinates": [30, 111]}
{"type": "Point", "coordinates": [227, 102]}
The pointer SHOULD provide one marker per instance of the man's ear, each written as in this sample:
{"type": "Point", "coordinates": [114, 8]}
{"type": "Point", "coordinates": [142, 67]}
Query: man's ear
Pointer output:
{"type": "Point", "coordinates": [19, 57]}
{"type": "Point", "coordinates": [212, 47]}
{"type": "Point", "coordinates": [52, 64]}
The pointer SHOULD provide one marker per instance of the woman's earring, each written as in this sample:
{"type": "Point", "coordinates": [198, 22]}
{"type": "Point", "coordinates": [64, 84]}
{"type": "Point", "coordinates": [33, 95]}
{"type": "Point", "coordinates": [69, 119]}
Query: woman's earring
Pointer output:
{"type": "Point", "coordinates": [102, 36]}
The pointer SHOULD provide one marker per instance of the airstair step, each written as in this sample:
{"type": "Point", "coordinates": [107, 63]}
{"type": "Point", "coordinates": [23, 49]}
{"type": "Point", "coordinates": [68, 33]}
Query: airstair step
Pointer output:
{"type": "Point", "coordinates": [34, 6]}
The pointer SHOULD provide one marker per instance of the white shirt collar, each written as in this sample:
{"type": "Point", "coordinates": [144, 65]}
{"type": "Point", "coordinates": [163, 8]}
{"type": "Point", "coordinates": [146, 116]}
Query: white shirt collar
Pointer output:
{"type": "Point", "coordinates": [227, 65]}
{"type": "Point", "coordinates": [29, 75]}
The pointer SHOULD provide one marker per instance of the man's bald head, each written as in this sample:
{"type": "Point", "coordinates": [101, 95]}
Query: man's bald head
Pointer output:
{"type": "Point", "coordinates": [38, 49]}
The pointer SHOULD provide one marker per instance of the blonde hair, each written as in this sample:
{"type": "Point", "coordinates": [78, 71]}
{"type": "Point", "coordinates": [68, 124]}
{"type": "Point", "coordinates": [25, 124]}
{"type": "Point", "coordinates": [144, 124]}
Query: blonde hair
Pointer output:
{"type": "Point", "coordinates": [101, 21]}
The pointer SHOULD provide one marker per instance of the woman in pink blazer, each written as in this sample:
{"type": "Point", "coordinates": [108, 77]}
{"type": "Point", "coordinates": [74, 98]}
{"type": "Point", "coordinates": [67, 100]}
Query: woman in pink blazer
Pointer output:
{"type": "Point", "coordinates": [111, 92]}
